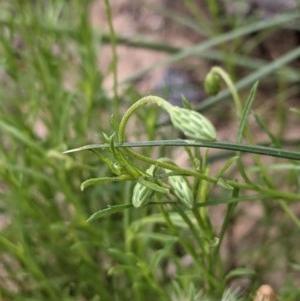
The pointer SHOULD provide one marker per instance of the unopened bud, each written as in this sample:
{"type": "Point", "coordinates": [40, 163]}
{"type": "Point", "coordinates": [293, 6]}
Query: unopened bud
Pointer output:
{"type": "Point", "coordinates": [141, 195]}
{"type": "Point", "coordinates": [212, 83]}
{"type": "Point", "coordinates": [182, 190]}
{"type": "Point", "coordinates": [193, 124]}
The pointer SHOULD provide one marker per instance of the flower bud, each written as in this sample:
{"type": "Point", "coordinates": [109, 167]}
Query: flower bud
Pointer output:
{"type": "Point", "coordinates": [193, 124]}
{"type": "Point", "coordinates": [141, 195]}
{"type": "Point", "coordinates": [212, 84]}
{"type": "Point", "coordinates": [182, 190]}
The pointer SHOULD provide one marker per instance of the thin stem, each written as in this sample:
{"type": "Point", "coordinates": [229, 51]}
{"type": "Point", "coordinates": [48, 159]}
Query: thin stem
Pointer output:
{"type": "Point", "coordinates": [114, 64]}
{"type": "Point", "coordinates": [192, 227]}
{"type": "Point", "coordinates": [289, 213]}
{"type": "Point", "coordinates": [211, 281]}
{"type": "Point", "coordinates": [151, 99]}
{"type": "Point", "coordinates": [224, 75]}
{"type": "Point", "coordinates": [172, 167]}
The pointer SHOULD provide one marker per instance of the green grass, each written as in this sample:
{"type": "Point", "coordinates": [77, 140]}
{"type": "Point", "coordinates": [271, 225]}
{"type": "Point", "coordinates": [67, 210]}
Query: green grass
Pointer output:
{"type": "Point", "coordinates": [60, 243]}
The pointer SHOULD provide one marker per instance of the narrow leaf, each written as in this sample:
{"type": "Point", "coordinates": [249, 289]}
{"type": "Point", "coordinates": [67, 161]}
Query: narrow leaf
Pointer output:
{"type": "Point", "coordinates": [245, 112]}
{"type": "Point", "coordinates": [153, 186]}
{"type": "Point", "coordinates": [108, 211]}
{"type": "Point", "coordinates": [239, 272]}
{"type": "Point", "coordinates": [241, 147]}
{"type": "Point", "coordinates": [94, 181]}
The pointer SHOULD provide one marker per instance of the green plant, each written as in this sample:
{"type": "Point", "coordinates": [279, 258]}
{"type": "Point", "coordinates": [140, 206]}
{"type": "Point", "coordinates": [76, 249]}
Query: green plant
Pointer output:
{"type": "Point", "coordinates": [53, 96]}
{"type": "Point", "coordinates": [47, 250]}
{"type": "Point", "coordinates": [182, 205]}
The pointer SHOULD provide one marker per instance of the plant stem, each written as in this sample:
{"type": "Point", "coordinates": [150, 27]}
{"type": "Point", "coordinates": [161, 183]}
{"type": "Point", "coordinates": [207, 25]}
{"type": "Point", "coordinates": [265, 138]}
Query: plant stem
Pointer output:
{"type": "Point", "coordinates": [114, 64]}
{"type": "Point", "coordinates": [151, 99]}
{"type": "Point", "coordinates": [224, 75]}
{"type": "Point", "coordinates": [210, 280]}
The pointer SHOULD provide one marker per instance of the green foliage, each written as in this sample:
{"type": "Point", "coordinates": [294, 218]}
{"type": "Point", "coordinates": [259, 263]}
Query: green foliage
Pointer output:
{"type": "Point", "coordinates": [108, 222]}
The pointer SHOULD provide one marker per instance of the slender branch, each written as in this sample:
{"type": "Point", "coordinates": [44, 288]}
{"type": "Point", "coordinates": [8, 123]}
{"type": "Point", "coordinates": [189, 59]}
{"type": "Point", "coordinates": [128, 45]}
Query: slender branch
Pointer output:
{"type": "Point", "coordinates": [224, 75]}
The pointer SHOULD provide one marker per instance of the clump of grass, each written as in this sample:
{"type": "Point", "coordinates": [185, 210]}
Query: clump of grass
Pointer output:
{"type": "Point", "coordinates": [47, 250]}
